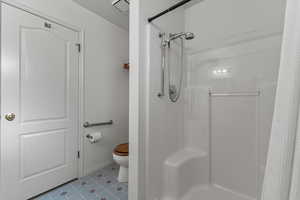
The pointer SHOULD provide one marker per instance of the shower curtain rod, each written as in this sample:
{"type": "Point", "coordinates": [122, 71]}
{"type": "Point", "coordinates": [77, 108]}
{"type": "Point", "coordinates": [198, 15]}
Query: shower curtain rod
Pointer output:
{"type": "Point", "coordinates": [181, 3]}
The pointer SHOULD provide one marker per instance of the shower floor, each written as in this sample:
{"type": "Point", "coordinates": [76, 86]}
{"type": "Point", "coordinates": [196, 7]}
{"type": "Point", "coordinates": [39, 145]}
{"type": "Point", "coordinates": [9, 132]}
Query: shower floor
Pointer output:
{"type": "Point", "coordinates": [213, 193]}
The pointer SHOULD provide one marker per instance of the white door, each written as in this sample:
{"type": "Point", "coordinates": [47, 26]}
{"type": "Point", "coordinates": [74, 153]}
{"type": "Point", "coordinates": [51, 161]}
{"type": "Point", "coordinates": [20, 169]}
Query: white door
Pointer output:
{"type": "Point", "coordinates": [39, 85]}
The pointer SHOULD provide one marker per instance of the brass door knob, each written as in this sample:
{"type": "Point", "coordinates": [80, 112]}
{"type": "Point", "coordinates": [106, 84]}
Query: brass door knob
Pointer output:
{"type": "Point", "coordinates": [10, 116]}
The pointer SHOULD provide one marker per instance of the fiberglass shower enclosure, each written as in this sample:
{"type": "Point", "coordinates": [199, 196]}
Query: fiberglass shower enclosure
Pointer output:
{"type": "Point", "coordinates": [212, 143]}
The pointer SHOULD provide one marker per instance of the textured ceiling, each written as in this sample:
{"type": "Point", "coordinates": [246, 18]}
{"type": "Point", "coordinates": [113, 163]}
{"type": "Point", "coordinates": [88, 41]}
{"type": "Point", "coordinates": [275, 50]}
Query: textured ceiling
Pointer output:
{"type": "Point", "coordinates": [105, 9]}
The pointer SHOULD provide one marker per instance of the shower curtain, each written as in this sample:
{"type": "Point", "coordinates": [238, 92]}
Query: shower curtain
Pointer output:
{"type": "Point", "coordinates": [282, 176]}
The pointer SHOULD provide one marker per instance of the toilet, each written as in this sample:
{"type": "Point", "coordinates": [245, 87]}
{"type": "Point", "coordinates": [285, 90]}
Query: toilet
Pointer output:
{"type": "Point", "coordinates": [120, 156]}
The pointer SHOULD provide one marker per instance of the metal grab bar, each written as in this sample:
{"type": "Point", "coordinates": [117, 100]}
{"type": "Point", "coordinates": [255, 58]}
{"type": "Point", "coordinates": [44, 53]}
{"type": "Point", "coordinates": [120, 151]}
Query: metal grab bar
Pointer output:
{"type": "Point", "coordinates": [88, 125]}
{"type": "Point", "coordinates": [162, 64]}
{"type": "Point", "coordinates": [213, 94]}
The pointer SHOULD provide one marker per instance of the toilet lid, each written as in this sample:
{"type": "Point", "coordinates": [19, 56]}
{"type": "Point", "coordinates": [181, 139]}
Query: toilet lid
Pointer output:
{"type": "Point", "coordinates": [121, 150]}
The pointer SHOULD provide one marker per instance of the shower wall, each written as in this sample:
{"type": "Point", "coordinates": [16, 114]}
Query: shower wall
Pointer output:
{"type": "Point", "coordinates": [165, 126]}
{"type": "Point", "coordinates": [231, 83]}
{"type": "Point", "coordinates": [164, 121]}
{"type": "Point", "coordinates": [228, 115]}
{"type": "Point", "coordinates": [218, 132]}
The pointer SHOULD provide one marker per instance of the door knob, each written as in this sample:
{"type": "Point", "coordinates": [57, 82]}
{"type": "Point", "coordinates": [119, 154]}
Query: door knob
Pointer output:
{"type": "Point", "coordinates": [10, 116]}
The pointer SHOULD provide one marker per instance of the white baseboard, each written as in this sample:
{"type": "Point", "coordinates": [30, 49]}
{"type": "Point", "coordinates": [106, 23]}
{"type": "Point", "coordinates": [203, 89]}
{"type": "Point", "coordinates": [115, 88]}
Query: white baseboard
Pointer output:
{"type": "Point", "coordinates": [97, 167]}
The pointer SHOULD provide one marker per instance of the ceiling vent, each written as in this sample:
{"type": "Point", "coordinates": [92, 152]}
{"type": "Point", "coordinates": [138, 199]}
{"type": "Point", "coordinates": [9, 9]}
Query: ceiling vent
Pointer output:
{"type": "Point", "coordinates": [121, 5]}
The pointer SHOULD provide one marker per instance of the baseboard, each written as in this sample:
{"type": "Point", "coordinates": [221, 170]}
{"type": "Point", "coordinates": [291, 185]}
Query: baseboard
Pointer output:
{"type": "Point", "coordinates": [97, 167]}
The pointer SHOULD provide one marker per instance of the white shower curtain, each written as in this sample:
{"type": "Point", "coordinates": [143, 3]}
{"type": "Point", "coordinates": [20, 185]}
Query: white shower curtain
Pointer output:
{"type": "Point", "coordinates": [282, 177]}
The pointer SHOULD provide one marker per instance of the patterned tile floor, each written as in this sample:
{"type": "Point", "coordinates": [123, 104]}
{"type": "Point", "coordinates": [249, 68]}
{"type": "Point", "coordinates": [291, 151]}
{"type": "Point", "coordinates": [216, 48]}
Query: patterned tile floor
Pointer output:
{"type": "Point", "coordinates": [102, 185]}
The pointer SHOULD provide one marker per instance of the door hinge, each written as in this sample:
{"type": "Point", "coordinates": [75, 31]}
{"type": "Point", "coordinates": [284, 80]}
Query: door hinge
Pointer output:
{"type": "Point", "coordinates": [78, 154]}
{"type": "Point", "coordinates": [79, 47]}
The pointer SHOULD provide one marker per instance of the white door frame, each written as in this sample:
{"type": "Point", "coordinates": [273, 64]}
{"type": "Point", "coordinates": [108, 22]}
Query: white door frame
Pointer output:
{"type": "Point", "coordinates": [136, 133]}
{"type": "Point", "coordinates": [81, 91]}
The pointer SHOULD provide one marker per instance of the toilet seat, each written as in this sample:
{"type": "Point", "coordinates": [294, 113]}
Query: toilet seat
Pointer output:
{"type": "Point", "coordinates": [121, 150]}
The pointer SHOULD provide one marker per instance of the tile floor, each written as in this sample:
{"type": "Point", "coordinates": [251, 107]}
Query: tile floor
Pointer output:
{"type": "Point", "coordinates": [102, 185]}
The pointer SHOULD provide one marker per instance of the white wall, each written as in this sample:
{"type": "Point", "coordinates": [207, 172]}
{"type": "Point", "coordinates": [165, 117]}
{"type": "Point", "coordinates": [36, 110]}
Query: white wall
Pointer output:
{"type": "Point", "coordinates": [165, 133]}
{"type": "Point", "coordinates": [106, 85]}
{"type": "Point", "coordinates": [216, 25]}
{"type": "Point", "coordinates": [244, 40]}
{"type": "Point", "coordinates": [160, 121]}
{"type": "Point", "coordinates": [233, 130]}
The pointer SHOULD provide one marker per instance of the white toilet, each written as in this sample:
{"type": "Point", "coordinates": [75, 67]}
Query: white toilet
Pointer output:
{"type": "Point", "coordinates": [120, 156]}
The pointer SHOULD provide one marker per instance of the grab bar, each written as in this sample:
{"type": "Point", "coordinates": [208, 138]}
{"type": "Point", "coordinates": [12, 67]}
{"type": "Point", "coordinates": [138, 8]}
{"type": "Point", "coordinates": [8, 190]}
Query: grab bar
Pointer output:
{"type": "Point", "coordinates": [162, 65]}
{"type": "Point", "coordinates": [88, 125]}
{"type": "Point", "coordinates": [212, 94]}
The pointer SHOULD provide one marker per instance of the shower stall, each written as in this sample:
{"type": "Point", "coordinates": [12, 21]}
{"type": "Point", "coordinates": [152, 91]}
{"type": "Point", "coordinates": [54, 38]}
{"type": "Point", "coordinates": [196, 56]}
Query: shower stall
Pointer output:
{"type": "Point", "coordinates": [211, 80]}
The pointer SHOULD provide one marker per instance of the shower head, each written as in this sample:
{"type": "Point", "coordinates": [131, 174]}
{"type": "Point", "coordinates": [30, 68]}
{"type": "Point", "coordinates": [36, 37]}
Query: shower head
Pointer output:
{"type": "Point", "coordinates": [189, 36]}
{"type": "Point", "coordinates": [186, 35]}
